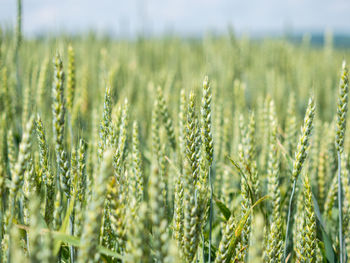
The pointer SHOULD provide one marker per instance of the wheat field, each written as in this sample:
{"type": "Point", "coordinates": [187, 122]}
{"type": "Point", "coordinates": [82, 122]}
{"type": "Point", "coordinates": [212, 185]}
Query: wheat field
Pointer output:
{"type": "Point", "coordinates": [221, 149]}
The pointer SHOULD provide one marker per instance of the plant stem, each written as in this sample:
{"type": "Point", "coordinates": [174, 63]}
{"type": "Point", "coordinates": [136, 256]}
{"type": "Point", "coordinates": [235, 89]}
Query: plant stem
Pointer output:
{"type": "Point", "coordinates": [340, 210]}
{"type": "Point", "coordinates": [1, 219]}
{"type": "Point", "coordinates": [288, 220]}
{"type": "Point", "coordinates": [210, 212]}
{"type": "Point", "coordinates": [203, 250]}
{"type": "Point", "coordinates": [71, 230]}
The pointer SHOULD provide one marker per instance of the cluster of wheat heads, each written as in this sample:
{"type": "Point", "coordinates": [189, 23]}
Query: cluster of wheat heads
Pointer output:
{"type": "Point", "coordinates": [114, 151]}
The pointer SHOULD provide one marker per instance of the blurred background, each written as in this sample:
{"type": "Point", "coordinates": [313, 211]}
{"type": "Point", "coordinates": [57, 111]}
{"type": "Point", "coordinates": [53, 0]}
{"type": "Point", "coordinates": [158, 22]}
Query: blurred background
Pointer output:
{"type": "Point", "coordinates": [188, 18]}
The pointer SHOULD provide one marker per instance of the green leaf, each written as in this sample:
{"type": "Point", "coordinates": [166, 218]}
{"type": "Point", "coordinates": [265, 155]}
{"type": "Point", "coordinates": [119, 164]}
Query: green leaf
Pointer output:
{"type": "Point", "coordinates": [223, 208]}
{"type": "Point", "coordinates": [72, 240]}
{"type": "Point", "coordinates": [327, 241]}
{"type": "Point", "coordinates": [239, 228]}
{"type": "Point", "coordinates": [322, 249]}
{"type": "Point", "coordinates": [330, 254]}
{"type": "Point", "coordinates": [75, 241]}
{"type": "Point", "coordinates": [65, 223]}
{"type": "Point", "coordinates": [243, 221]}
{"type": "Point", "coordinates": [108, 252]}
{"type": "Point", "coordinates": [240, 171]}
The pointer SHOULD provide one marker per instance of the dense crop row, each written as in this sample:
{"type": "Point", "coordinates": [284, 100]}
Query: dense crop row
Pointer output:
{"type": "Point", "coordinates": [123, 151]}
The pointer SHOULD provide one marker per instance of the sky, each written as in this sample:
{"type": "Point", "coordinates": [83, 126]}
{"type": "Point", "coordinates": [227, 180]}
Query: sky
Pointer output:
{"type": "Point", "coordinates": [184, 17]}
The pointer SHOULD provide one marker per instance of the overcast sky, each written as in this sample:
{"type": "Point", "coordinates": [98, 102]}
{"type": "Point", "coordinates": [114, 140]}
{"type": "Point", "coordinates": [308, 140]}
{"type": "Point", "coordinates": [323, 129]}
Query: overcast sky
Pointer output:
{"type": "Point", "coordinates": [180, 16]}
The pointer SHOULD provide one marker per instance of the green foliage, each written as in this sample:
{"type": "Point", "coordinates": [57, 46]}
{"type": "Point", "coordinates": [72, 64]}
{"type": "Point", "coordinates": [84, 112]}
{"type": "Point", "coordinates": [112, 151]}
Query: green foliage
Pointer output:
{"type": "Point", "coordinates": [138, 150]}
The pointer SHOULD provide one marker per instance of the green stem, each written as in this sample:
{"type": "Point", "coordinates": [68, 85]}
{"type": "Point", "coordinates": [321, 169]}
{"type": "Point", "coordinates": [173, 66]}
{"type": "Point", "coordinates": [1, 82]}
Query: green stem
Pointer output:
{"type": "Point", "coordinates": [203, 250]}
{"type": "Point", "coordinates": [9, 223]}
{"type": "Point", "coordinates": [210, 212]}
{"type": "Point", "coordinates": [288, 220]}
{"type": "Point", "coordinates": [340, 210]}
{"type": "Point", "coordinates": [71, 230]}
{"type": "Point", "coordinates": [1, 220]}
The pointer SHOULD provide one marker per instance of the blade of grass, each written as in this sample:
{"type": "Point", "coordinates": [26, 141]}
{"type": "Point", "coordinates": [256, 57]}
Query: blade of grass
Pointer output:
{"type": "Point", "coordinates": [240, 226]}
